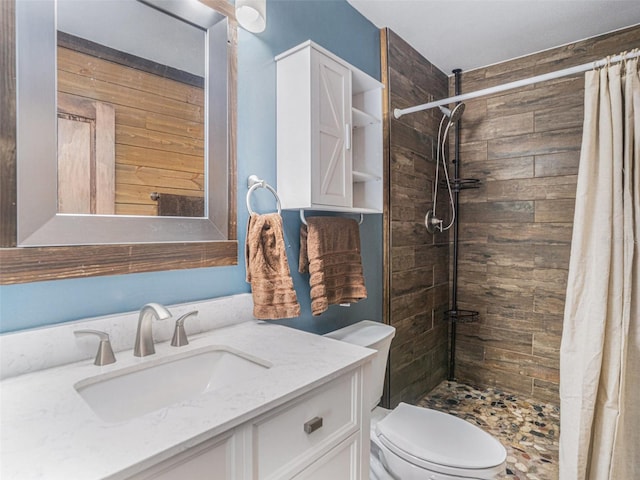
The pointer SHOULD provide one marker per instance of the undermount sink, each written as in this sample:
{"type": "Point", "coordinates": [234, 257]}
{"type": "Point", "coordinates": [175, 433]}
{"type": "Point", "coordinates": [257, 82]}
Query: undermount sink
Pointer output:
{"type": "Point", "coordinates": [133, 391]}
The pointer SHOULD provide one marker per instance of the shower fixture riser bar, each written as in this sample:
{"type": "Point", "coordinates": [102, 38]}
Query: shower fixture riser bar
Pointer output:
{"type": "Point", "coordinates": [456, 195]}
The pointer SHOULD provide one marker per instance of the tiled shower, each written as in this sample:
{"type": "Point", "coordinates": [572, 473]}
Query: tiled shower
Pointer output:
{"type": "Point", "coordinates": [515, 230]}
{"type": "Point", "coordinates": [514, 243]}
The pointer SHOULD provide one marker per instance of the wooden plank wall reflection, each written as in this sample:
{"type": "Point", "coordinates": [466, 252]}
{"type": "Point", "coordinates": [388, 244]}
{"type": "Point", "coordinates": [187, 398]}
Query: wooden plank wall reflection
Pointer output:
{"type": "Point", "coordinates": [159, 128]}
{"type": "Point", "coordinates": [416, 267]}
{"type": "Point", "coordinates": [515, 231]}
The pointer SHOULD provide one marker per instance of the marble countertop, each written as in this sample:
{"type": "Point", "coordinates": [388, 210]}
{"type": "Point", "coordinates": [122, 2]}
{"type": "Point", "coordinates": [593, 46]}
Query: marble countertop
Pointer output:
{"type": "Point", "coordinates": [47, 431]}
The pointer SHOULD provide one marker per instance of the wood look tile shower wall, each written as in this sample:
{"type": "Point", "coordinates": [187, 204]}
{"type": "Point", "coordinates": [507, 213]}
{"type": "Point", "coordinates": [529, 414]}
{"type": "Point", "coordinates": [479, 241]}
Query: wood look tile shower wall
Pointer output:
{"type": "Point", "coordinates": [416, 262]}
{"type": "Point", "coordinates": [515, 230]}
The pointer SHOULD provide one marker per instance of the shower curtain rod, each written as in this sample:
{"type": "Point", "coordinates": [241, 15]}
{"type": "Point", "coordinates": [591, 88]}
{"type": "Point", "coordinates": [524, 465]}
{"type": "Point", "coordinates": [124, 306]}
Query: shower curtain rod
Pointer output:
{"type": "Point", "coordinates": [398, 112]}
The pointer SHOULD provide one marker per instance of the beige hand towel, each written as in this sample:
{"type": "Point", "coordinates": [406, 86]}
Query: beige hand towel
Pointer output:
{"type": "Point", "coordinates": [268, 269]}
{"type": "Point", "coordinates": [330, 251]}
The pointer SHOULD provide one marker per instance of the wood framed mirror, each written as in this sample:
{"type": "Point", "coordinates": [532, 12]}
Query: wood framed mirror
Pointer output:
{"type": "Point", "coordinates": [179, 248]}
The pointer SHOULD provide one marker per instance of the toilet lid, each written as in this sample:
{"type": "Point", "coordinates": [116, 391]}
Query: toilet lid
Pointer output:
{"type": "Point", "coordinates": [416, 433]}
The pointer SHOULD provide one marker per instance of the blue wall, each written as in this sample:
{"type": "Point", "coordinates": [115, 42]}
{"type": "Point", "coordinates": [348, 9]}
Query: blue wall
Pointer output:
{"type": "Point", "coordinates": [335, 25]}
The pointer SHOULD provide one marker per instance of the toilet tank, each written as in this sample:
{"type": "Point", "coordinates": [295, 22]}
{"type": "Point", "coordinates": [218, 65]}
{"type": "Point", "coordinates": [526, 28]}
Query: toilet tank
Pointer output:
{"type": "Point", "coordinates": [373, 335]}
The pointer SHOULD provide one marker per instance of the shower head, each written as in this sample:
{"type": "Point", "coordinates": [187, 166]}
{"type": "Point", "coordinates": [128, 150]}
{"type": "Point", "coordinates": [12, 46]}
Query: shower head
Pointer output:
{"type": "Point", "coordinates": [455, 114]}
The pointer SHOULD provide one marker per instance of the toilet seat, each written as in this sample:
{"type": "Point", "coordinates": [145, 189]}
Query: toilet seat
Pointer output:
{"type": "Point", "coordinates": [440, 442]}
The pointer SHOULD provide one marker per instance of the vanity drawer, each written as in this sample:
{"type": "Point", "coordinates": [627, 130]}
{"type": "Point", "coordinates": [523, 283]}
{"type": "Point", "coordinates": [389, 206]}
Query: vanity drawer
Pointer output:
{"type": "Point", "coordinates": [211, 460]}
{"type": "Point", "coordinates": [301, 431]}
{"type": "Point", "coordinates": [343, 463]}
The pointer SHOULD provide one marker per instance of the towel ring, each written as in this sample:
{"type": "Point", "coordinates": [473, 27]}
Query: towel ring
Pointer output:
{"type": "Point", "coordinates": [254, 183]}
{"type": "Point", "coordinates": [304, 220]}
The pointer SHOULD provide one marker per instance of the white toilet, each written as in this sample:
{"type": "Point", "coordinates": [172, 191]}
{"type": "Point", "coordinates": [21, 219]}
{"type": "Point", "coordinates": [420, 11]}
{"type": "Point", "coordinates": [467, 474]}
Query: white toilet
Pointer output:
{"type": "Point", "coordinates": [415, 443]}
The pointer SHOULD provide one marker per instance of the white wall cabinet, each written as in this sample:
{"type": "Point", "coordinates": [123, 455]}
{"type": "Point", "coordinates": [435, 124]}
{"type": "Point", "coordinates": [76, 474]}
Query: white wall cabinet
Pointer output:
{"type": "Point", "coordinates": [329, 133]}
{"type": "Point", "coordinates": [319, 435]}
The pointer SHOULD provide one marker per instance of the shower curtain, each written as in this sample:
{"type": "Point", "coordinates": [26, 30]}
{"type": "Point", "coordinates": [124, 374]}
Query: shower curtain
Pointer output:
{"type": "Point", "coordinates": [600, 350]}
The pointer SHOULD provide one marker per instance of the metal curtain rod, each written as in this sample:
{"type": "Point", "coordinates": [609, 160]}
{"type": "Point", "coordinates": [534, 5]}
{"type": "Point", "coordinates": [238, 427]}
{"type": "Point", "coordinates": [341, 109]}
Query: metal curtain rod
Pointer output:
{"type": "Point", "coordinates": [398, 112]}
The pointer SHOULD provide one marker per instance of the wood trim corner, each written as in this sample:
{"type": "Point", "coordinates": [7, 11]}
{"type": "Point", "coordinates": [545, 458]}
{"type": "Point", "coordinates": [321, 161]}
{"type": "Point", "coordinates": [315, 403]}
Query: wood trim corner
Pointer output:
{"type": "Point", "coordinates": [8, 192]}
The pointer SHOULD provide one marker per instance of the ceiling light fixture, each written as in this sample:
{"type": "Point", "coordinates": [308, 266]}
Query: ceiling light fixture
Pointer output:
{"type": "Point", "coordinates": [252, 15]}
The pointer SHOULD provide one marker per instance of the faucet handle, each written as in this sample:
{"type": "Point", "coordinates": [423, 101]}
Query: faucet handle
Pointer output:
{"type": "Point", "coordinates": [179, 335]}
{"type": "Point", "coordinates": [105, 354]}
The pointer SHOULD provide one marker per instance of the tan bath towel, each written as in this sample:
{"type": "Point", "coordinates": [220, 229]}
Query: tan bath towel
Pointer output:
{"type": "Point", "coordinates": [268, 269]}
{"type": "Point", "coordinates": [330, 252]}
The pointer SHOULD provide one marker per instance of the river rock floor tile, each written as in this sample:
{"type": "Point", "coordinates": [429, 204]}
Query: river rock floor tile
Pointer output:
{"type": "Point", "coordinates": [528, 429]}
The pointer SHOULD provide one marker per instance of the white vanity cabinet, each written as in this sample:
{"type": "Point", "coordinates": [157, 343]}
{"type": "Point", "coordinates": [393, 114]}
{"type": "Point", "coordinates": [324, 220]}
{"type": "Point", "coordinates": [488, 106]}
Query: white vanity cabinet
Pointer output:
{"type": "Point", "coordinates": [318, 435]}
{"type": "Point", "coordinates": [301, 415]}
{"type": "Point", "coordinates": [329, 133]}
{"type": "Point", "coordinates": [214, 459]}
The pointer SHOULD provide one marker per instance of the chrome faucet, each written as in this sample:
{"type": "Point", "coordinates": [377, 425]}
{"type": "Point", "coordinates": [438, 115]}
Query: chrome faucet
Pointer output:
{"type": "Point", "coordinates": [144, 336]}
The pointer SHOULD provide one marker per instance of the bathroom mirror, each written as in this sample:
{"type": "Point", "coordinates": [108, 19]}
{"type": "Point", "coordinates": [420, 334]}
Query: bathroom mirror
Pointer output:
{"type": "Point", "coordinates": [135, 144]}
{"type": "Point", "coordinates": [131, 106]}
{"type": "Point", "coordinates": [138, 239]}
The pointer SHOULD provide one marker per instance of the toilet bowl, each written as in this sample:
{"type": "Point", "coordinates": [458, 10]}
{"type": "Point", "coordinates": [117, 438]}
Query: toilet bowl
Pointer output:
{"type": "Point", "coordinates": [415, 443]}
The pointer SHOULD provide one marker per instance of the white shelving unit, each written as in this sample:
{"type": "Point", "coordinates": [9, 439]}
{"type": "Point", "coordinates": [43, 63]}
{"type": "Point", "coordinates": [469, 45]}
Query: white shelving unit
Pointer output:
{"type": "Point", "coordinates": [329, 124]}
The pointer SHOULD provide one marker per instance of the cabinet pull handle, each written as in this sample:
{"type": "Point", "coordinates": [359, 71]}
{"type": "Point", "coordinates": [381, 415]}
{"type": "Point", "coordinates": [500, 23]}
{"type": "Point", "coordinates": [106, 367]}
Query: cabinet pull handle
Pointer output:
{"type": "Point", "coordinates": [347, 136]}
{"type": "Point", "coordinates": [312, 425]}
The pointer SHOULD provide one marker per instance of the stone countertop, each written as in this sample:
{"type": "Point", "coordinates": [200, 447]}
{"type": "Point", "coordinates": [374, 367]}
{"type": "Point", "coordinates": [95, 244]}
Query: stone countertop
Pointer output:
{"type": "Point", "coordinates": [47, 431]}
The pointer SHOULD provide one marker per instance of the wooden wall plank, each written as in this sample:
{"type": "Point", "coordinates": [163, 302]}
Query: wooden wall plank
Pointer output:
{"type": "Point", "coordinates": [141, 194]}
{"type": "Point", "coordinates": [502, 169]}
{"type": "Point", "coordinates": [552, 256]}
{"type": "Point", "coordinates": [523, 364]}
{"type": "Point", "coordinates": [166, 142]}
{"type": "Point", "coordinates": [8, 164]}
{"type": "Point", "coordinates": [485, 376]}
{"type": "Point", "coordinates": [135, 175]}
{"type": "Point", "coordinates": [125, 95]}
{"type": "Point", "coordinates": [159, 122]}
{"type": "Point", "coordinates": [537, 188]}
{"type": "Point", "coordinates": [497, 127]}
{"type": "Point", "coordinates": [556, 210]}
{"type": "Point", "coordinates": [546, 391]}
{"type": "Point", "coordinates": [21, 265]}
{"type": "Point", "coordinates": [535, 143]}
{"type": "Point", "coordinates": [498, 212]}
{"type": "Point", "coordinates": [531, 233]}
{"type": "Point", "coordinates": [138, 156]}
{"type": "Point", "coordinates": [557, 164]}
{"type": "Point", "coordinates": [92, 68]}
{"type": "Point", "coordinates": [567, 92]}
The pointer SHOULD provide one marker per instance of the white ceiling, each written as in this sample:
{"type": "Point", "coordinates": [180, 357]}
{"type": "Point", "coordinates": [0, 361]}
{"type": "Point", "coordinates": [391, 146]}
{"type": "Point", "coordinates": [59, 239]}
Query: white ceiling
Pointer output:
{"type": "Point", "coordinates": [469, 34]}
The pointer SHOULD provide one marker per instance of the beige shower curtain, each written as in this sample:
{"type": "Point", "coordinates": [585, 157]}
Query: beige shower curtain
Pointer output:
{"type": "Point", "coordinates": [600, 351]}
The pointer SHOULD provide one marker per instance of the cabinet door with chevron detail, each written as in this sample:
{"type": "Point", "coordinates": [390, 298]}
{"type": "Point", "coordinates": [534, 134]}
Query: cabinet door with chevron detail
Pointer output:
{"type": "Point", "coordinates": [331, 170]}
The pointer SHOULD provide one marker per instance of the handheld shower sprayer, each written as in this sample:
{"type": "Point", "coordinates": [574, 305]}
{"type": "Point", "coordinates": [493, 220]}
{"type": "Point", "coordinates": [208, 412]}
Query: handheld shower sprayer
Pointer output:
{"type": "Point", "coordinates": [431, 221]}
{"type": "Point", "coordinates": [455, 114]}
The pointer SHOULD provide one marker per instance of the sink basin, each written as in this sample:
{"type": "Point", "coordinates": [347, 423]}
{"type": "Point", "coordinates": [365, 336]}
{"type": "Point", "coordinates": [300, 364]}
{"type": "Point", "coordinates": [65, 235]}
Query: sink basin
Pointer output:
{"type": "Point", "coordinates": [133, 391]}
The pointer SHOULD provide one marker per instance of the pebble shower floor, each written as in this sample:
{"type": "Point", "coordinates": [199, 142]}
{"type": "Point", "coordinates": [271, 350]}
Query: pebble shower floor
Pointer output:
{"type": "Point", "coordinates": [528, 429]}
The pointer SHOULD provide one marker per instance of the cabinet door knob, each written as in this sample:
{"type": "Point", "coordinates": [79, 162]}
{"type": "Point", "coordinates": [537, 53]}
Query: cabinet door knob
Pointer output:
{"type": "Point", "coordinates": [312, 425]}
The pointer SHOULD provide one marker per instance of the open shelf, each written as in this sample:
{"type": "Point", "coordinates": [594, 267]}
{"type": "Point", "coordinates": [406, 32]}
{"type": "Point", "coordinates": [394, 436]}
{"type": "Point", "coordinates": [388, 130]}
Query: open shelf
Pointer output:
{"type": "Point", "coordinates": [359, 177]}
{"type": "Point", "coordinates": [362, 119]}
